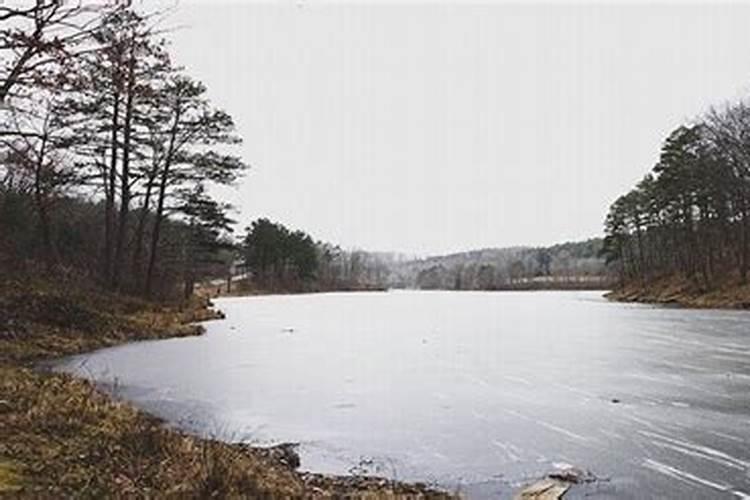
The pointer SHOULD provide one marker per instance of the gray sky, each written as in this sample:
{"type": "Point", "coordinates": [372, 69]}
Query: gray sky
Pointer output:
{"type": "Point", "coordinates": [436, 128]}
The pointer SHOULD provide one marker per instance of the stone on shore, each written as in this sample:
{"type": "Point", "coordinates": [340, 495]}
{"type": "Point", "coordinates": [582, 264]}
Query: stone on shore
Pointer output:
{"type": "Point", "coordinates": [546, 489]}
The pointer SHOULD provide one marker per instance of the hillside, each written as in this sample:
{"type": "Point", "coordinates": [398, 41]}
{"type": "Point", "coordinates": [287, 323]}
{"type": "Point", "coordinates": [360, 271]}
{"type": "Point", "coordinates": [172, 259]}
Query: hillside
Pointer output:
{"type": "Point", "coordinates": [566, 265]}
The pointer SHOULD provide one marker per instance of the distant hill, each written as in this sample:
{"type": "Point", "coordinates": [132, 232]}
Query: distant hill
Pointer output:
{"type": "Point", "coordinates": [566, 265]}
{"type": "Point", "coordinates": [572, 265]}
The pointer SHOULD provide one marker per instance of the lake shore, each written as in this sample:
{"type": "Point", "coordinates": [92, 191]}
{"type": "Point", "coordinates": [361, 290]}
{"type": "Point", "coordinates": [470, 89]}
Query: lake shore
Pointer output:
{"type": "Point", "coordinates": [680, 292]}
{"type": "Point", "coordinates": [61, 436]}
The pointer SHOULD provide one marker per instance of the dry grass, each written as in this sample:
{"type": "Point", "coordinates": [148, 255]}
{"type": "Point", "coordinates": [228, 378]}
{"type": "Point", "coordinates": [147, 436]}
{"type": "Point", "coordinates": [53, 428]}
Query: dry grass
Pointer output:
{"type": "Point", "coordinates": [45, 322]}
{"type": "Point", "coordinates": [728, 294]}
{"type": "Point", "coordinates": [64, 437]}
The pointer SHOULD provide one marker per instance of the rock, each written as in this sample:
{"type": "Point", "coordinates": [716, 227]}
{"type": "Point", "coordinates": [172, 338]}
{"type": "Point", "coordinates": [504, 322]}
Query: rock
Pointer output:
{"type": "Point", "coordinates": [615, 400]}
{"type": "Point", "coordinates": [284, 453]}
{"type": "Point", "coordinates": [546, 489]}
{"type": "Point", "coordinates": [368, 487]}
{"type": "Point", "coordinates": [572, 475]}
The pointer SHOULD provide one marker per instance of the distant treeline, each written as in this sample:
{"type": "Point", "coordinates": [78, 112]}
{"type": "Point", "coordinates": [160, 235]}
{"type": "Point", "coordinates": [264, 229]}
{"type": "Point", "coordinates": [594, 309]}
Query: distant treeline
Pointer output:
{"type": "Point", "coordinates": [280, 259]}
{"type": "Point", "coordinates": [690, 216]}
{"type": "Point", "coordinates": [107, 151]}
{"type": "Point", "coordinates": [568, 265]}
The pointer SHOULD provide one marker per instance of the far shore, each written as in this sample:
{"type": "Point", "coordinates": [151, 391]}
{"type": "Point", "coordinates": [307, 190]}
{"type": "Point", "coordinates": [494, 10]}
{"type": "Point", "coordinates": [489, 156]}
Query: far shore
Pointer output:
{"type": "Point", "coordinates": [667, 292]}
{"type": "Point", "coordinates": [241, 288]}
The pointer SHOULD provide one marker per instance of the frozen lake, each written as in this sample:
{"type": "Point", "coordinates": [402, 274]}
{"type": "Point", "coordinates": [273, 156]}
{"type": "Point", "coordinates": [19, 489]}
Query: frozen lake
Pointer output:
{"type": "Point", "coordinates": [481, 391]}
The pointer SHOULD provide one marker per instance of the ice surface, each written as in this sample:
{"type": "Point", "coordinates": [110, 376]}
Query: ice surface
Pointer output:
{"type": "Point", "coordinates": [479, 390]}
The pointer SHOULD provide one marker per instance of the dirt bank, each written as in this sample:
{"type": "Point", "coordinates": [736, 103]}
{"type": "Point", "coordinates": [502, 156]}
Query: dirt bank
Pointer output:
{"type": "Point", "coordinates": [681, 292]}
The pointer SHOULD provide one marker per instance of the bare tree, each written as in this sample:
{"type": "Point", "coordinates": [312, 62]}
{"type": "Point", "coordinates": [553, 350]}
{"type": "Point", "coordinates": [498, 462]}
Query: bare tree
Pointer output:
{"type": "Point", "coordinates": [32, 37]}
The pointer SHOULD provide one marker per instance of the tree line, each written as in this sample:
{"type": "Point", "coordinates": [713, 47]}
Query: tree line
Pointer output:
{"type": "Point", "coordinates": [567, 265]}
{"type": "Point", "coordinates": [281, 259]}
{"type": "Point", "coordinates": [689, 217]}
{"type": "Point", "coordinates": [108, 150]}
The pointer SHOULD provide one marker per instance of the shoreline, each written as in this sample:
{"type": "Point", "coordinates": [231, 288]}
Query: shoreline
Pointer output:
{"type": "Point", "coordinates": [680, 293]}
{"type": "Point", "coordinates": [242, 288]}
{"type": "Point", "coordinates": [211, 294]}
{"type": "Point", "coordinates": [733, 297]}
{"type": "Point", "coordinates": [62, 435]}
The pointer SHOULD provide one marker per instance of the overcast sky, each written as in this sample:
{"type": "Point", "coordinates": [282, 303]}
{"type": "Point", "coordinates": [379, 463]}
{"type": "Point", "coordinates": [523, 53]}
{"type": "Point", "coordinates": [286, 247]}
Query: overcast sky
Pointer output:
{"type": "Point", "coordinates": [437, 128]}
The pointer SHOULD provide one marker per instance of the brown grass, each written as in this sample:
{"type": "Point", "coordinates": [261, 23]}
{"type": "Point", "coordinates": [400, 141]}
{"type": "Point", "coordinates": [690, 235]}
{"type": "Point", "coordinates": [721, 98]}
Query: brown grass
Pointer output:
{"type": "Point", "coordinates": [64, 437]}
{"type": "Point", "coordinates": [726, 294]}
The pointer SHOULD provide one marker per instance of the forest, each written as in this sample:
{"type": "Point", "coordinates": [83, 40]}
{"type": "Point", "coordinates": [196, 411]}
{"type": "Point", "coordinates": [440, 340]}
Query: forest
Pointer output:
{"type": "Point", "coordinates": [688, 218]}
{"type": "Point", "coordinates": [572, 265]}
{"type": "Point", "coordinates": [279, 259]}
{"type": "Point", "coordinates": [109, 151]}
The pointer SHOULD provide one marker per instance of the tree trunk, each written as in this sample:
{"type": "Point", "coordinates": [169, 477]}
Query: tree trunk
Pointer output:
{"type": "Point", "coordinates": [188, 271]}
{"type": "Point", "coordinates": [743, 249]}
{"type": "Point", "coordinates": [122, 223]}
{"type": "Point", "coordinates": [159, 216]}
{"type": "Point", "coordinates": [641, 260]}
{"type": "Point", "coordinates": [141, 228]}
{"type": "Point", "coordinates": [40, 200]}
{"type": "Point", "coordinates": [109, 193]}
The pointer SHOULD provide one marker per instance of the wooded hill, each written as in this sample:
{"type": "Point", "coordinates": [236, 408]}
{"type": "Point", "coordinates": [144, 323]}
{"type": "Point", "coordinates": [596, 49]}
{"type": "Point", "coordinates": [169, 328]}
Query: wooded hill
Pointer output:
{"type": "Point", "coordinates": [688, 220]}
{"type": "Point", "coordinates": [567, 265]}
